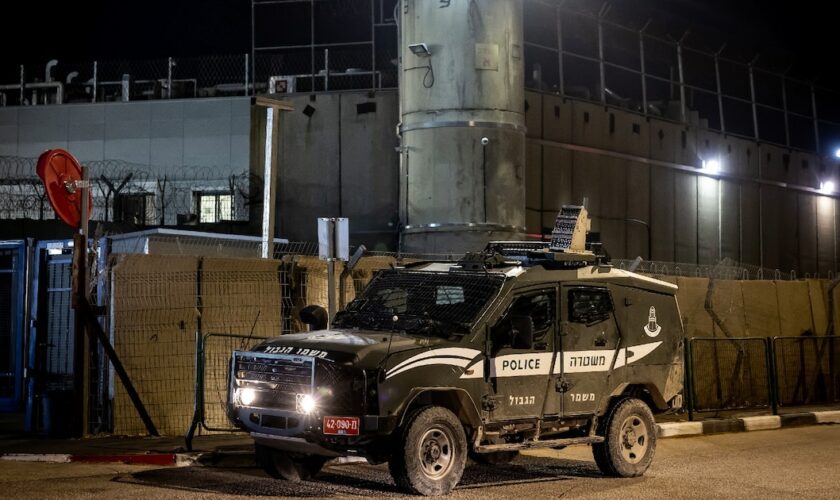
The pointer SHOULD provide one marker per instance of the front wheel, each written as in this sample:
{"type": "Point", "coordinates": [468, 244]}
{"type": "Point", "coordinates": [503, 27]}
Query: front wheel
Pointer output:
{"type": "Point", "coordinates": [629, 435]}
{"type": "Point", "coordinates": [431, 453]}
{"type": "Point", "coordinates": [288, 466]}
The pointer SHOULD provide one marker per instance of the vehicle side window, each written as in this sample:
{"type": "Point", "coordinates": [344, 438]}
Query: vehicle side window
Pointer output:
{"type": "Point", "coordinates": [589, 305]}
{"type": "Point", "coordinates": [540, 308]}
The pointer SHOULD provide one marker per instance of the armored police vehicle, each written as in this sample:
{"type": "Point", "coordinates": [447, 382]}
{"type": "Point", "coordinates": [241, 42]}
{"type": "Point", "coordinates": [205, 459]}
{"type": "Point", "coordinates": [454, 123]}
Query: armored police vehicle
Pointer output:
{"type": "Point", "coordinates": [525, 345]}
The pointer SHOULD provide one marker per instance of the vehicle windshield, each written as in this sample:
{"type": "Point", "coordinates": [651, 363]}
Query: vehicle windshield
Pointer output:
{"type": "Point", "coordinates": [421, 303]}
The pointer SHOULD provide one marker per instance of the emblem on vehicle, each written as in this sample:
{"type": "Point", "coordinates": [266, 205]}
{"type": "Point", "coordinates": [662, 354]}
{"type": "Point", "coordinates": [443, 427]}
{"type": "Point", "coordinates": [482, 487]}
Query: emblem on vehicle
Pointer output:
{"type": "Point", "coordinates": [652, 329]}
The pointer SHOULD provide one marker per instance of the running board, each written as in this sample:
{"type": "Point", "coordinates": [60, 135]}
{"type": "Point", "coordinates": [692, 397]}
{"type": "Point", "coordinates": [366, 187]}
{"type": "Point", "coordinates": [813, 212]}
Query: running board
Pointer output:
{"type": "Point", "coordinates": [489, 448]}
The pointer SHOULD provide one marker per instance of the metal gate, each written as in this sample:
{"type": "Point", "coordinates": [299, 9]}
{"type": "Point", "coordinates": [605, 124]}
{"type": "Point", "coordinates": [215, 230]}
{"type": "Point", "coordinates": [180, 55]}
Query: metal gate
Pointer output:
{"type": "Point", "coordinates": [12, 298]}
{"type": "Point", "coordinates": [52, 333]}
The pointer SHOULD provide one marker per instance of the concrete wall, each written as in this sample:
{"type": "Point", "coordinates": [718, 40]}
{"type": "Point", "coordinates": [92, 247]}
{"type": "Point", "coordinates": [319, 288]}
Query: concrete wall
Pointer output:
{"type": "Point", "coordinates": [158, 134]}
{"type": "Point", "coordinates": [678, 216]}
{"type": "Point", "coordinates": [340, 162]}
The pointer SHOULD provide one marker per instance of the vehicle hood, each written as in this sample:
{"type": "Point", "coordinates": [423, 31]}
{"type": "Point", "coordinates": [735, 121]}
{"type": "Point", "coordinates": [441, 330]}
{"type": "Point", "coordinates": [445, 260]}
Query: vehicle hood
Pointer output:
{"type": "Point", "coordinates": [365, 349]}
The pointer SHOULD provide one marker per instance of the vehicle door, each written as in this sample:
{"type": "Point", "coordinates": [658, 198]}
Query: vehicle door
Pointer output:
{"type": "Point", "coordinates": [522, 355]}
{"type": "Point", "coordinates": [589, 340]}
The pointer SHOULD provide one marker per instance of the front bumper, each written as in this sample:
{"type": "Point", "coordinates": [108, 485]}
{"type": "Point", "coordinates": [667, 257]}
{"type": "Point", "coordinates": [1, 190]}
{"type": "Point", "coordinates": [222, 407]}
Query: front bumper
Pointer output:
{"type": "Point", "coordinates": [296, 432]}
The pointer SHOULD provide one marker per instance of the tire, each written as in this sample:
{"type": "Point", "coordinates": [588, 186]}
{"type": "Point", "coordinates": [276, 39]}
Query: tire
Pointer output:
{"type": "Point", "coordinates": [288, 466]}
{"type": "Point", "coordinates": [629, 443]}
{"type": "Point", "coordinates": [430, 453]}
{"type": "Point", "coordinates": [494, 458]}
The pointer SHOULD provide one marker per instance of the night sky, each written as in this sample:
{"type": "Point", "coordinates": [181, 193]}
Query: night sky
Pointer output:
{"type": "Point", "coordinates": [801, 33]}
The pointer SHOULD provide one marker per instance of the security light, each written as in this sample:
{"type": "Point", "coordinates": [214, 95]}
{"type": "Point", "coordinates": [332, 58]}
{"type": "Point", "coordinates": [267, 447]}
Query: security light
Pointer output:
{"type": "Point", "coordinates": [420, 49]}
{"type": "Point", "coordinates": [711, 166]}
{"type": "Point", "coordinates": [837, 153]}
{"type": "Point", "coordinates": [827, 187]}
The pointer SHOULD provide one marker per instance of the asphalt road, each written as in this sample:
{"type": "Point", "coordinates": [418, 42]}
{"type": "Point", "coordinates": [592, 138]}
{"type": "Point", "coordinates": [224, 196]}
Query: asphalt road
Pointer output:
{"type": "Point", "coordinates": [790, 463]}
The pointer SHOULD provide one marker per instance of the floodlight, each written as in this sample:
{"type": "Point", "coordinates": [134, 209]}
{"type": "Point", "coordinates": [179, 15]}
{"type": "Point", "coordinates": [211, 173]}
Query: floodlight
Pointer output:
{"type": "Point", "coordinates": [837, 153]}
{"type": "Point", "coordinates": [420, 49]}
{"type": "Point", "coordinates": [711, 166]}
{"type": "Point", "coordinates": [827, 187]}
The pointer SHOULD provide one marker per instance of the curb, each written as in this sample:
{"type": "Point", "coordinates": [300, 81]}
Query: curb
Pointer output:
{"type": "Point", "coordinates": [746, 424]}
{"type": "Point", "coordinates": [160, 459]}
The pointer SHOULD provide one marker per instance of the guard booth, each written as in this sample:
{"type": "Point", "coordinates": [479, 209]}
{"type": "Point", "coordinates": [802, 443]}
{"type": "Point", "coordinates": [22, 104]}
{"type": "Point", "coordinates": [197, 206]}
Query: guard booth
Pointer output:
{"type": "Point", "coordinates": [12, 312]}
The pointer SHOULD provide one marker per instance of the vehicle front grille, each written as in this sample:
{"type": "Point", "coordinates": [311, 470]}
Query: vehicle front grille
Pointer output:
{"type": "Point", "coordinates": [279, 378]}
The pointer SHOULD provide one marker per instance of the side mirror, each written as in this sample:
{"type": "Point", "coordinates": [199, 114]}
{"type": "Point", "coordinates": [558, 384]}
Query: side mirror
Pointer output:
{"type": "Point", "coordinates": [315, 316]}
{"type": "Point", "coordinates": [522, 332]}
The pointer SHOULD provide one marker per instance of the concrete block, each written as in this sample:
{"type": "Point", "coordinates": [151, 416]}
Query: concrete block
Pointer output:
{"type": "Point", "coordinates": [762, 423]}
{"type": "Point", "coordinates": [750, 237]}
{"type": "Point", "coordinates": [826, 243]}
{"type": "Point", "coordinates": [739, 156]}
{"type": "Point", "coordinates": [708, 244]}
{"type": "Point", "coordinates": [556, 119]}
{"type": "Point", "coordinates": [534, 111]}
{"type": "Point", "coordinates": [685, 217]}
{"type": "Point", "coordinates": [590, 124]}
{"type": "Point", "coordinates": [662, 213]}
{"type": "Point", "coordinates": [721, 426]}
{"type": "Point", "coordinates": [807, 231]}
{"type": "Point", "coordinates": [774, 162]}
{"type": "Point", "coordinates": [730, 221]}
{"type": "Point", "coordinates": [798, 419]}
{"type": "Point", "coordinates": [827, 417]}
{"type": "Point", "coordinates": [677, 429]}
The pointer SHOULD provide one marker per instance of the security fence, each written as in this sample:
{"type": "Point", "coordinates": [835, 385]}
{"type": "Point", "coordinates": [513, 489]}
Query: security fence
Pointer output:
{"type": "Point", "coordinates": [212, 372]}
{"type": "Point", "coordinates": [601, 55]}
{"type": "Point", "coordinates": [178, 313]}
{"type": "Point", "coordinates": [728, 374]}
{"type": "Point", "coordinates": [807, 370]}
{"type": "Point", "coordinates": [757, 373]}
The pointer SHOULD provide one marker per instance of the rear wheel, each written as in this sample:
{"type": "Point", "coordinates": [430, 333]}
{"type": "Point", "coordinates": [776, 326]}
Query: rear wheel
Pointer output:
{"type": "Point", "coordinates": [292, 467]}
{"type": "Point", "coordinates": [629, 443]}
{"type": "Point", "coordinates": [431, 453]}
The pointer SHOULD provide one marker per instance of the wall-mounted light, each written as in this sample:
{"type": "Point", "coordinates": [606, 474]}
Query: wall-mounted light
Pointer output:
{"type": "Point", "coordinates": [827, 187]}
{"type": "Point", "coordinates": [711, 166]}
{"type": "Point", "coordinates": [837, 153]}
{"type": "Point", "coordinates": [420, 49]}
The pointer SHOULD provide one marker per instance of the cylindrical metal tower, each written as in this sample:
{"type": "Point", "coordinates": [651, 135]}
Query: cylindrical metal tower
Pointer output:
{"type": "Point", "coordinates": [462, 162]}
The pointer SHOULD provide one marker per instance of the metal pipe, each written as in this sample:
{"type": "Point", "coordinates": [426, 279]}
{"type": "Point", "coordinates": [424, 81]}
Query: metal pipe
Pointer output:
{"type": "Point", "coordinates": [373, 45]}
{"type": "Point", "coordinates": [22, 85]}
{"type": "Point", "coordinates": [48, 70]}
{"type": "Point", "coordinates": [753, 98]}
{"type": "Point", "coordinates": [312, 42]}
{"type": "Point", "coordinates": [785, 110]}
{"type": "Point", "coordinates": [169, 65]}
{"type": "Point", "coordinates": [642, 67]}
{"type": "Point", "coordinates": [253, 57]}
{"type": "Point", "coordinates": [246, 75]}
{"type": "Point", "coordinates": [816, 118]}
{"type": "Point", "coordinates": [95, 81]}
{"type": "Point", "coordinates": [561, 86]}
{"type": "Point", "coordinates": [719, 89]}
{"type": "Point", "coordinates": [683, 117]}
{"type": "Point", "coordinates": [326, 70]}
{"type": "Point", "coordinates": [603, 82]}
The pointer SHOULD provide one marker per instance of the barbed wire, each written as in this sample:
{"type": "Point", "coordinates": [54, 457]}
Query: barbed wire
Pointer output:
{"type": "Point", "coordinates": [153, 195]}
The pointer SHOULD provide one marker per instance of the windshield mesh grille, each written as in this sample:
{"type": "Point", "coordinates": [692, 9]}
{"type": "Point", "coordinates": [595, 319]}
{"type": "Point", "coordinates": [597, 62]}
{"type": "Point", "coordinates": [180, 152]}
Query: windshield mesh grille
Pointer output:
{"type": "Point", "coordinates": [415, 299]}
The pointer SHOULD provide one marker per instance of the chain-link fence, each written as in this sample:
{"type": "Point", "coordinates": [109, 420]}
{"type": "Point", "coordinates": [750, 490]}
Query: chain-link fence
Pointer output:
{"type": "Point", "coordinates": [807, 370]}
{"type": "Point", "coordinates": [728, 374]}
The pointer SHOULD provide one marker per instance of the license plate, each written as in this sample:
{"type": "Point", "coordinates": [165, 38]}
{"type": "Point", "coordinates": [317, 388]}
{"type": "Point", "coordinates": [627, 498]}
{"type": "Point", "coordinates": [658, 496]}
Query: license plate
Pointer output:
{"type": "Point", "coordinates": [344, 426]}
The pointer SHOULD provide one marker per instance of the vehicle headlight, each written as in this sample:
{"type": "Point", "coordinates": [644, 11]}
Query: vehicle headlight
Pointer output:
{"type": "Point", "coordinates": [306, 403]}
{"type": "Point", "coordinates": [247, 396]}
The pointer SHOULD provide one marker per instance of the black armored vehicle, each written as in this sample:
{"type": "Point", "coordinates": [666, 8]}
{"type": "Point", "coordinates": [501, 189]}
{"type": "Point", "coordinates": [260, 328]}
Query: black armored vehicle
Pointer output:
{"type": "Point", "coordinates": [517, 347]}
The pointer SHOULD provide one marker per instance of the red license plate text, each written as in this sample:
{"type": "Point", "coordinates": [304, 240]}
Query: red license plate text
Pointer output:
{"type": "Point", "coordinates": [344, 426]}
